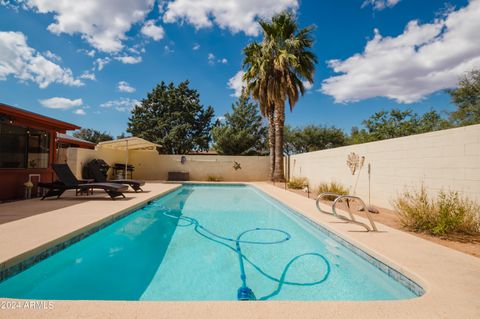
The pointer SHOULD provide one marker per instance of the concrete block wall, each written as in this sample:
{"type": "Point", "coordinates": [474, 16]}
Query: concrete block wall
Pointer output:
{"type": "Point", "coordinates": [149, 165]}
{"type": "Point", "coordinates": [442, 160]}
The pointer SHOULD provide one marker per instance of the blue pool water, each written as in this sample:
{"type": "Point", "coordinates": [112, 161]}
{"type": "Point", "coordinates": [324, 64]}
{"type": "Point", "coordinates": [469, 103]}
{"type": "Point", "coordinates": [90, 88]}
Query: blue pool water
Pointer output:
{"type": "Point", "coordinates": [207, 242]}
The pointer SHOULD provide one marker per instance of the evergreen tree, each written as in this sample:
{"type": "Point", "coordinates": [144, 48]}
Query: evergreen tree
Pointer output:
{"type": "Point", "coordinates": [243, 131]}
{"type": "Point", "coordinates": [173, 117]}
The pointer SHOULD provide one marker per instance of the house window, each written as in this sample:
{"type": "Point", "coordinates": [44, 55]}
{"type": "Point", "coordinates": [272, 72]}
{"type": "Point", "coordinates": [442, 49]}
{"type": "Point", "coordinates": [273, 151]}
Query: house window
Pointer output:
{"type": "Point", "coordinates": [13, 146]}
{"type": "Point", "coordinates": [38, 149]}
{"type": "Point", "coordinates": [22, 147]}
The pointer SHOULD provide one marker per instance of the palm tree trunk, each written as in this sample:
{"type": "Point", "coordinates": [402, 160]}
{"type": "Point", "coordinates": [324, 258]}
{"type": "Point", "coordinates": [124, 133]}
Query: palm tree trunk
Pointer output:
{"type": "Point", "coordinates": [278, 174]}
{"type": "Point", "coordinates": [271, 142]}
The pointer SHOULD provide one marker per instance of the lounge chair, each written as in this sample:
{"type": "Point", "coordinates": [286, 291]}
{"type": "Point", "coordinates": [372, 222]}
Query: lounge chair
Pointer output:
{"type": "Point", "coordinates": [96, 172]}
{"type": "Point", "coordinates": [69, 181]}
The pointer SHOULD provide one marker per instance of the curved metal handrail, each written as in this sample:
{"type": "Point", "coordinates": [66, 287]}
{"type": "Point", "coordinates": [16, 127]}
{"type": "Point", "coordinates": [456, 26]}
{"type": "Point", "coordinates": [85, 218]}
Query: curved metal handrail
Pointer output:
{"type": "Point", "coordinates": [347, 197]}
{"type": "Point", "coordinates": [322, 195]}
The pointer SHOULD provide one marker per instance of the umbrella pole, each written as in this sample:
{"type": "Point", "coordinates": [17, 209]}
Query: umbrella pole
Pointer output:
{"type": "Point", "coordinates": [126, 162]}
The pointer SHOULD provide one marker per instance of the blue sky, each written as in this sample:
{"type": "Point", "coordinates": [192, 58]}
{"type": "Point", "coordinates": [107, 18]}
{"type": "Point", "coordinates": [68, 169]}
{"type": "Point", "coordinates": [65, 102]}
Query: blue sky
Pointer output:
{"type": "Point", "coordinates": [372, 55]}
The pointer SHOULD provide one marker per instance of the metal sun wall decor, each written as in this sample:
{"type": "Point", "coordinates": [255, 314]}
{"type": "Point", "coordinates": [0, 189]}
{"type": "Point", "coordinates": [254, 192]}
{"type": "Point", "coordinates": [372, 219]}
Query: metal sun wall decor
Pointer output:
{"type": "Point", "coordinates": [352, 162]}
{"type": "Point", "coordinates": [236, 165]}
{"type": "Point", "coordinates": [355, 162]}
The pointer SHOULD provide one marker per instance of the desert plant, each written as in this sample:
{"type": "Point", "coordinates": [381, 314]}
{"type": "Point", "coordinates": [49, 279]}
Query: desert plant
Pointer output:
{"type": "Point", "coordinates": [213, 178]}
{"type": "Point", "coordinates": [332, 187]}
{"type": "Point", "coordinates": [447, 213]}
{"type": "Point", "coordinates": [297, 183]}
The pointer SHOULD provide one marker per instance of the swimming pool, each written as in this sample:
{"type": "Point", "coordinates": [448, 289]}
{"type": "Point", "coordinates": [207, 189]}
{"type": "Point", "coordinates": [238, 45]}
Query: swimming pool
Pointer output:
{"type": "Point", "coordinates": [207, 242]}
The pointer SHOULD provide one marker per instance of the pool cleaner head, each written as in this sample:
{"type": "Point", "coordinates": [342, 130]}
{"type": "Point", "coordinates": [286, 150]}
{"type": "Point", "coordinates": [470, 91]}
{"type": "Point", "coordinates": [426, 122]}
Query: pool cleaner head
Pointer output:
{"type": "Point", "coordinates": [245, 294]}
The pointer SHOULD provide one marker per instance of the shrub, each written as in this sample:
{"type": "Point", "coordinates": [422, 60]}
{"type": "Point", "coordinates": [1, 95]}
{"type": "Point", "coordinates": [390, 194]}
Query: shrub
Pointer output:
{"type": "Point", "coordinates": [448, 213]}
{"type": "Point", "coordinates": [297, 183]}
{"type": "Point", "coordinates": [332, 187]}
{"type": "Point", "coordinates": [213, 178]}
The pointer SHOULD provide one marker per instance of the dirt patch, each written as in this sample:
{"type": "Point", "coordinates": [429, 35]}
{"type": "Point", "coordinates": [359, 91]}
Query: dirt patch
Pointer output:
{"type": "Point", "coordinates": [469, 244]}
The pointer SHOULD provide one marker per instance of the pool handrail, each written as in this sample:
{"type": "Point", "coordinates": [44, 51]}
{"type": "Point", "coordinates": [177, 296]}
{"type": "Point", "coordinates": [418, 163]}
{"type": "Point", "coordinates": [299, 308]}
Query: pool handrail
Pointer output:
{"type": "Point", "coordinates": [340, 198]}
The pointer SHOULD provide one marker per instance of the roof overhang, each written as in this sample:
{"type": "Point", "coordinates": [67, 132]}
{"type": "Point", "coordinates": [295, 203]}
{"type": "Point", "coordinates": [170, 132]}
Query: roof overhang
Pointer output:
{"type": "Point", "coordinates": [130, 143]}
{"type": "Point", "coordinates": [67, 139]}
{"type": "Point", "coordinates": [14, 114]}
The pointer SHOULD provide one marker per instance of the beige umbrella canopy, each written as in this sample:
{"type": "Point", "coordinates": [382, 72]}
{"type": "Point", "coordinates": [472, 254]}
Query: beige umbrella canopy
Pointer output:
{"type": "Point", "coordinates": [126, 144]}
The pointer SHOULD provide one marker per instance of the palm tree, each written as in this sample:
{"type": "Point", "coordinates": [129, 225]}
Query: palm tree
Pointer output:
{"type": "Point", "coordinates": [275, 70]}
{"type": "Point", "coordinates": [289, 50]}
{"type": "Point", "coordinates": [256, 78]}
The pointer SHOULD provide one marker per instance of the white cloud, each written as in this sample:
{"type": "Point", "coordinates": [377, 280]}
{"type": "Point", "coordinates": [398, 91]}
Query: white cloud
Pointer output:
{"type": "Point", "coordinates": [168, 49]}
{"type": "Point", "coordinates": [88, 76]}
{"type": "Point", "coordinates": [80, 112]}
{"type": "Point", "coordinates": [211, 58]}
{"type": "Point", "coordinates": [121, 105]}
{"type": "Point", "coordinates": [307, 85]}
{"type": "Point", "coordinates": [90, 53]}
{"type": "Point", "coordinates": [234, 15]}
{"type": "Point", "coordinates": [422, 60]}
{"type": "Point", "coordinates": [153, 31]}
{"type": "Point", "coordinates": [101, 62]}
{"type": "Point", "coordinates": [196, 46]}
{"type": "Point", "coordinates": [52, 56]}
{"type": "Point", "coordinates": [61, 103]}
{"type": "Point", "coordinates": [26, 64]}
{"type": "Point", "coordinates": [102, 23]}
{"type": "Point", "coordinates": [236, 83]}
{"type": "Point", "coordinates": [380, 4]}
{"type": "Point", "coordinates": [125, 87]}
{"type": "Point", "coordinates": [127, 59]}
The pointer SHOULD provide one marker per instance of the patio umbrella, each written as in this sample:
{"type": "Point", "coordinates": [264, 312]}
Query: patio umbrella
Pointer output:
{"type": "Point", "coordinates": [127, 144]}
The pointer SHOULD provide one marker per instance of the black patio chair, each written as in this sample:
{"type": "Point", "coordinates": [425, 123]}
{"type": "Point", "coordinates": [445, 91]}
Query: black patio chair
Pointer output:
{"type": "Point", "coordinates": [67, 180]}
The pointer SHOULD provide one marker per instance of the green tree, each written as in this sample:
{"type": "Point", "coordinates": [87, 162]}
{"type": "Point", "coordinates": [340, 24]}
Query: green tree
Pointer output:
{"type": "Point", "coordinates": [467, 99]}
{"type": "Point", "coordinates": [396, 123]}
{"type": "Point", "coordinates": [286, 60]}
{"type": "Point", "coordinates": [312, 138]}
{"type": "Point", "coordinates": [432, 121]}
{"type": "Point", "coordinates": [173, 117]}
{"type": "Point", "coordinates": [291, 139]}
{"type": "Point", "coordinates": [243, 131]}
{"type": "Point", "coordinates": [123, 135]}
{"type": "Point", "coordinates": [359, 136]}
{"type": "Point", "coordinates": [92, 135]}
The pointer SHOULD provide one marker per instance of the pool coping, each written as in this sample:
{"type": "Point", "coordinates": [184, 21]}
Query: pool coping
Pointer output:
{"type": "Point", "coordinates": [452, 297]}
{"type": "Point", "coordinates": [401, 277]}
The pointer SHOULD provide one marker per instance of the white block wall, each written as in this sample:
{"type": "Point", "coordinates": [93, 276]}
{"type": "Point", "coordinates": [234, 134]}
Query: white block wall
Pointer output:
{"type": "Point", "coordinates": [448, 160]}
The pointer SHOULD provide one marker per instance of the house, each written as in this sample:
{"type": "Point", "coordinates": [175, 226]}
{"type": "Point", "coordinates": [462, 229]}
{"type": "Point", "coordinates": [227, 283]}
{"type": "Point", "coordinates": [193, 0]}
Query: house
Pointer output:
{"type": "Point", "coordinates": [27, 149]}
{"type": "Point", "coordinates": [66, 141]}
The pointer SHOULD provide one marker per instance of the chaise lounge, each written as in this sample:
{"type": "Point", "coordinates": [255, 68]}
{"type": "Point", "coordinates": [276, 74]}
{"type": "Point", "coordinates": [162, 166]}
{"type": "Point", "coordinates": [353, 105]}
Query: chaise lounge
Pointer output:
{"type": "Point", "coordinates": [69, 181]}
{"type": "Point", "coordinates": [95, 171]}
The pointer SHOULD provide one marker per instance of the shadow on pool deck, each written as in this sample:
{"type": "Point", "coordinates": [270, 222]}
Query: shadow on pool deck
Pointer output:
{"type": "Point", "coordinates": [16, 210]}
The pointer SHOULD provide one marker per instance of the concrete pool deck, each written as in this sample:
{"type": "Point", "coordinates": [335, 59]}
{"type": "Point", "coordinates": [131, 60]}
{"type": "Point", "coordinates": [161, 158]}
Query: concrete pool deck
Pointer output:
{"type": "Point", "coordinates": [451, 279]}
